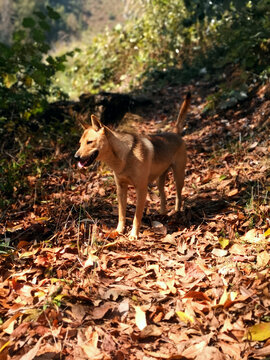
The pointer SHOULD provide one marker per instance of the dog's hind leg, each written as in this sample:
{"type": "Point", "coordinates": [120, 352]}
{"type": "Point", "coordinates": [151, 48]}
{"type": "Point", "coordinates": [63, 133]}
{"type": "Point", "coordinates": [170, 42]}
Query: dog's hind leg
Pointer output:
{"type": "Point", "coordinates": [179, 176]}
{"type": "Point", "coordinates": [161, 184]}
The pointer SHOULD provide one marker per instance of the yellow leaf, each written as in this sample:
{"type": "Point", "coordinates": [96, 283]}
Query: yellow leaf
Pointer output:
{"type": "Point", "coordinates": [40, 294]}
{"type": "Point", "coordinates": [267, 233]}
{"type": "Point", "coordinates": [42, 219]}
{"type": "Point", "coordinates": [5, 345]}
{"type": "Point", "coordinates": [223, 242]}
{"type": "Point", "coordinates": [140, 318]}
{"type": "Point", "coordinates": [184, 317]}
{"type": "Point", "coordinates": [9, 80]}
{"type": "Point", "coordinates": [258, 332]}
{"type": "Point", "coordinates": [15, 228]}
{"type": "Point", "coordinates": [231, 296]}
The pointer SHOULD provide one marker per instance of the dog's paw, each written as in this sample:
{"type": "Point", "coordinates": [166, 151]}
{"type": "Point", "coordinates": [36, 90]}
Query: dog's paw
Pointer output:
{"type": "Point", "coordinates": [133, 235]}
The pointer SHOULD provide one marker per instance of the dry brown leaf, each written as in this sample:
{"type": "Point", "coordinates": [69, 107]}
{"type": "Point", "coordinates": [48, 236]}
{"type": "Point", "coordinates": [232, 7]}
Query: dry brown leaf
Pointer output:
{"type": "Point", "coordinates": [151, 330]}
{"type": "Point", "coordinates": [210, 353]}
{"type": "Point", "coordinates": [101, 311]}
{"type": "Point", "coordinates": [232, 349]}
{"type": "Point", "coordinates": [33, 352]}
{"type": "Point", "coordinates": [238, 249]}
{"type": "Point", "coordinates": [233, 192]}
{"type": "Point", "coordinates": [194, 350]}
{"type": "Point", "coordinates": [8, 326]}
{"type": "Point", "coordinates": [197, 295]}
{"type": "Point", "coordinates": [140, 318]}
{"type": "Point", "coordinates": [265, 351]}
{"type": "Point", "coordinates": [263, 259]}
{"type": "Point", "coordinates": [219, 252]}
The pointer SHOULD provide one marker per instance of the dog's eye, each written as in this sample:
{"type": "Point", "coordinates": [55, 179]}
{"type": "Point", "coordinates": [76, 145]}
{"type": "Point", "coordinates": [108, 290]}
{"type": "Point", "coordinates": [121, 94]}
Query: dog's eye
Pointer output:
{"type": "Point", "coordinates": [89, 142]}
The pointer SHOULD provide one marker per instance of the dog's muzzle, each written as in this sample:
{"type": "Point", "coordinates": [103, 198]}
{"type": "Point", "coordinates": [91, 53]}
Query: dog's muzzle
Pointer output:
{"type": "Point", "coordinates": [87, 160]}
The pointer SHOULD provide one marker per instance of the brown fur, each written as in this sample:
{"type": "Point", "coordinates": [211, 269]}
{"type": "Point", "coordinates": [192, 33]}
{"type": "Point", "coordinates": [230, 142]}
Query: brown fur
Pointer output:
{"type": "Point", "coordinates": [137, 160]}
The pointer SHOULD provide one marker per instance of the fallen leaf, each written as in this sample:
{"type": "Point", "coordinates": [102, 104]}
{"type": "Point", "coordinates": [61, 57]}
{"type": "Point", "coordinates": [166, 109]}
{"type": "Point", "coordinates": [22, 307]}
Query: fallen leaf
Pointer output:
{"type": "Point", "coordinates": [263, 259]}
{"type": "Point", "coordinates": [250, 236]}
{"type": "Point", "coordinates": [101, 311]}
{"type": "Point", "coordinates": [33, 352]}
{"type": "Point", "coordinates": [267, 233]}
{"type": "Point", "coordinates": [92, 260]}
{"type": "Point", "coordinates": [197, 295]}
{"type": "Point", "coordinates": [219, 252]}
{"type": "Point", "coordinates": [123, 306]}
{"type": "Point", "coordinates": [233, 192]}
{"type": "Point", "coordinates": [238, 249]}
{"type": "Point", "coordinates": [258, 332]}
{"type": "Point", "coordinates": [223, 242]}
{"type": "Point", "coordinates": [184, 317]}
{"type": "Point", "coordinates": [90, 348]}
{"type": "Point", "coordinates": [194, 350]}
{"type": "Point", "coordinates": [210, 353]}
{"type": "Point", "coordinates": [151, 330]}
{"type": "Point", "coordinates": [140, 318]}
{"type": "Point", "coordinates": [8, 326]}
{"type": "Point", "coordinates": [265, 351]}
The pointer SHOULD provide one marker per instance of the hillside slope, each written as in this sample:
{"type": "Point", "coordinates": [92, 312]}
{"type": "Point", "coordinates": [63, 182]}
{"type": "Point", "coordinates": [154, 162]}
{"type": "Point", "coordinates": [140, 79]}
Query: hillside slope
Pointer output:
{"type": "Point", "coordinates": [194, 283]}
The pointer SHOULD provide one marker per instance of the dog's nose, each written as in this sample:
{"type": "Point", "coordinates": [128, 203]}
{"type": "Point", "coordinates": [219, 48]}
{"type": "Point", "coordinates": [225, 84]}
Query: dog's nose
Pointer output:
{"type": "Point", "coordinates": [76, 155]}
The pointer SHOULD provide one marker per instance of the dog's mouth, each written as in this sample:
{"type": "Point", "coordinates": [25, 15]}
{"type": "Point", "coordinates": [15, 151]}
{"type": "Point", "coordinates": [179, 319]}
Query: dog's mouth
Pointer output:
{"type": "Point", "coordinates": [87, 161]}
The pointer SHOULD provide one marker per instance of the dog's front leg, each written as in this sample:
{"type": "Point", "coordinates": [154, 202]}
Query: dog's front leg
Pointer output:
{"type": "Point", "coordinates": [141, 197]}
{"type": "Point", "coordinates": [122, 204]}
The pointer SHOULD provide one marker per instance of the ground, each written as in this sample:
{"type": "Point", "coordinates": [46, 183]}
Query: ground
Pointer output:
{"type": "Point", "coordinates": [191, 287]}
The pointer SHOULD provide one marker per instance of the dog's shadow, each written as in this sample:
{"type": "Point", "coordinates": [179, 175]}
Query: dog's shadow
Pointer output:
{"type": "Point", "coordinates": [200, 210]}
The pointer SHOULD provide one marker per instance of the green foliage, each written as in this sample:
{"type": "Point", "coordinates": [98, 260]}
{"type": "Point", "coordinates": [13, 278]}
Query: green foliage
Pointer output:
{"type": "Point", "coordinates": [5, 249]}
{"type": "Point", "coordinates": [26, 73]}
{"type": "Point", "coordinates": [174, 41]}
{"type": "Point", "coordinates": [77, 17]}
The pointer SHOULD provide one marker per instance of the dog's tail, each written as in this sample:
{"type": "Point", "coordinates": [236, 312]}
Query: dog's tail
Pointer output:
{"type": "Point", "coordinates": [182, 113]}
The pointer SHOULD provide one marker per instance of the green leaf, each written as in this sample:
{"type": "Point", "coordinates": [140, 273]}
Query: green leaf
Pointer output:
{"type": "Point", "coordinates": [40, 14]}
{"type": "Point", "coordinates": [60, 67]}
{"type": "Point", "coordinates": [5, 51]}
{"type": "Point", "coordinates": [28, 22]}
{"type": "Point", "coordinates": [38, 35]}
{"type": "Point", "coordinates": [222, 177]}
{"type": "Point", "coordinates": [53, 14]}
{"type": "Point", "coordinates": [39, 77]}
{"type": "Point", "coordinates": [19, 35]}
{"type": "Point", "coordinates": [44, 47]}
{"type": "Point", "coordinates": [44, 25]}
{"type": "Point", "coordinates": [50, 60]}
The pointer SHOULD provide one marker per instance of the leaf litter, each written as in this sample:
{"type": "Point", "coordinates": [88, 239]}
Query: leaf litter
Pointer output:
{"type": "Point", "coordinates": [194, 285]}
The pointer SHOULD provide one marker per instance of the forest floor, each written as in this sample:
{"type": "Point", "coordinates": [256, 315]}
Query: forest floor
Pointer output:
{"type": "Point", "coordinates": [191, 287]}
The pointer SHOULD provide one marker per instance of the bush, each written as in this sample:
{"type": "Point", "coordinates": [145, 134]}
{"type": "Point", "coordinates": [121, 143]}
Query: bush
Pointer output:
{"type": "Point", "coordinates": [26, 72]}
{"type": "Point", "coordinates": [178, 35]}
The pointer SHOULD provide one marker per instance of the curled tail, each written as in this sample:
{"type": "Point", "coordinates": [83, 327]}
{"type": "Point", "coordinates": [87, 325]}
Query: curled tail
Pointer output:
{"type": "Point", "coordinates": [182, 113]}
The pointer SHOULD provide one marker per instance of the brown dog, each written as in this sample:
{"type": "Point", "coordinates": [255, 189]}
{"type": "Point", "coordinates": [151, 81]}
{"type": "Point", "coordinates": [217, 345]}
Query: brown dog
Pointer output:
{"type": "Point", "coordinates": [137, 160]}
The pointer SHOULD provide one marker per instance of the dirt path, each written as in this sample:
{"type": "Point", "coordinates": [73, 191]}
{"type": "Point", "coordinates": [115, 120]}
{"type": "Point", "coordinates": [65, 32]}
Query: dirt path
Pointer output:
{"type": "Point", "coordinates": [189, 288]}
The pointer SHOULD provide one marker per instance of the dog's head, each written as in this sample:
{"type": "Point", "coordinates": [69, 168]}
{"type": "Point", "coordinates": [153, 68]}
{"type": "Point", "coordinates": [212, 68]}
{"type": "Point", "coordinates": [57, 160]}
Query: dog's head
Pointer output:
{"type": "Point", "coordinates": [93, 143]}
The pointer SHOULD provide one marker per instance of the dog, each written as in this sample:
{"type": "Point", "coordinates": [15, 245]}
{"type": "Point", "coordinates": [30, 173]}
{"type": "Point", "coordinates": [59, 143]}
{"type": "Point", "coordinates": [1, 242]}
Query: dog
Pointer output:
{"type": "Point", "coordinates": [137, 160]}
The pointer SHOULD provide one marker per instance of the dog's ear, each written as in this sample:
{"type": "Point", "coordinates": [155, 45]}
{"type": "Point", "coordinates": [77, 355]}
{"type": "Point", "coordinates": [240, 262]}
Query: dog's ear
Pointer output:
{"type": "Point", "coordinates": [83, 124]}
{"type": "Point", "coordinates": [96, 124]}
